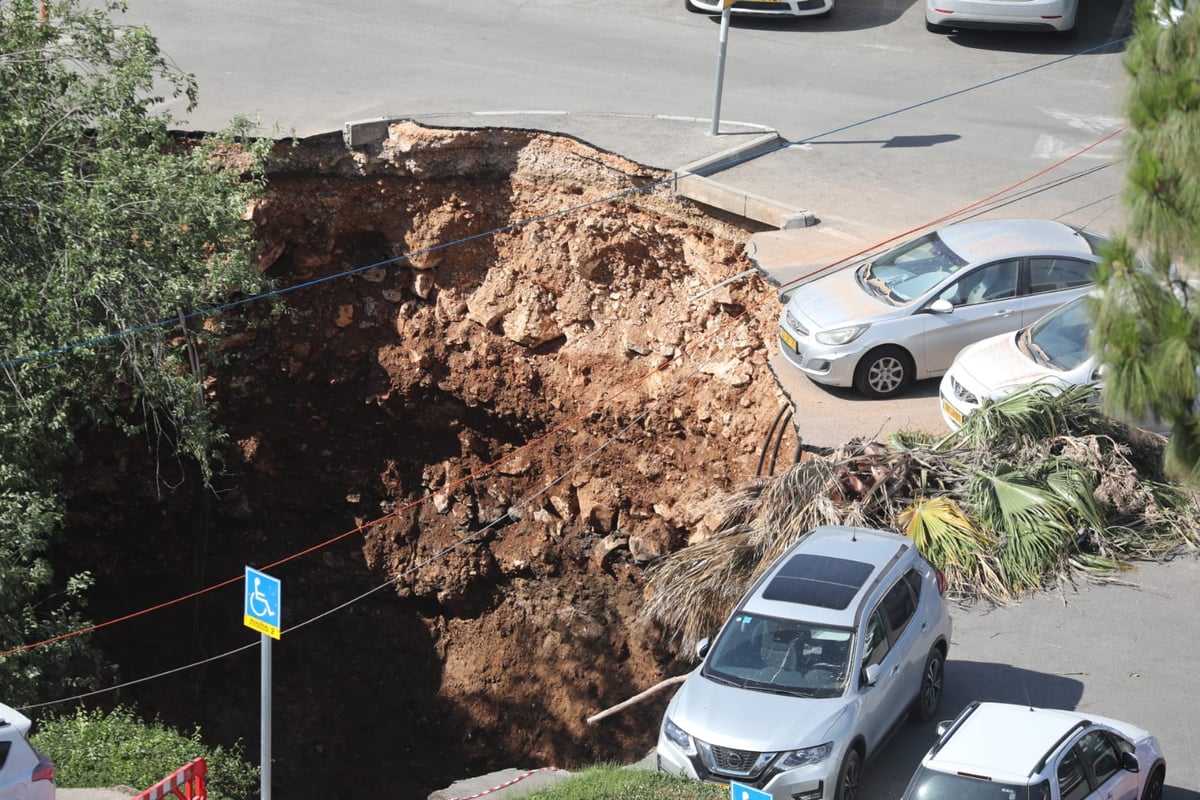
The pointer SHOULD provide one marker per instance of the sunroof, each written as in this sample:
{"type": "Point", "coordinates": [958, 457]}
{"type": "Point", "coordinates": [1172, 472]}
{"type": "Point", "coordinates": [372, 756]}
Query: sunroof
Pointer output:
{"type": "Point", "coordinates": [818, 581]}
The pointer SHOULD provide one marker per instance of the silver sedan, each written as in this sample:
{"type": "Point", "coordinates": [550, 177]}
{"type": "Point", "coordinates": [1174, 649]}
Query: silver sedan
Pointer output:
{"type": "Point", "coordinates": [903, 314]}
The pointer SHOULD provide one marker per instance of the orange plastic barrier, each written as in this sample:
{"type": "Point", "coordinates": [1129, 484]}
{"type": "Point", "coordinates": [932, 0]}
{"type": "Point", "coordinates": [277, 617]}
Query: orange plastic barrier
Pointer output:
{"type": "Point", "coordinates": [185, 783]}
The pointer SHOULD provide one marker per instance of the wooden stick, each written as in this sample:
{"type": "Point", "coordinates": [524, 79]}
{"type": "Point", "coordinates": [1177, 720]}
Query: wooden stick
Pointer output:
{"type": "Point", "coordinates": [637, 697]}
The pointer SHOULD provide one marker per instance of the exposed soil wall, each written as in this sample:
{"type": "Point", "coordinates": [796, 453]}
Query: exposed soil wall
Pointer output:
{"type": "Point", "coordinates": [484, 444]}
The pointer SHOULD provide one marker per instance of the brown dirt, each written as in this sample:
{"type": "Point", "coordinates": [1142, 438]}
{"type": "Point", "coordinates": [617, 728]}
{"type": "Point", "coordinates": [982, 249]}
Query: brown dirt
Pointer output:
{"type": "Point", "coordinates": [484, 445]}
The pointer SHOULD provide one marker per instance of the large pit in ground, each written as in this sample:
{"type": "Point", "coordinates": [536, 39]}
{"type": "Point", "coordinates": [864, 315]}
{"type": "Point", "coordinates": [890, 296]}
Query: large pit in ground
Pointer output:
{"type": "Point", "coordinates": [483, 444]}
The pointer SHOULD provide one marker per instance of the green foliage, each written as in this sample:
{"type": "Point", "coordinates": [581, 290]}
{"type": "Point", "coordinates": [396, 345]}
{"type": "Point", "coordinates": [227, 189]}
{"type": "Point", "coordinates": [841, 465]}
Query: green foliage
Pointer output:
{"type": "Point", "coordinates": [117, 748]}
{"type": "Point", "coordinates": [611, 782]}
{"type": "Point", "coordinates": [1147, 326]}
{"type": "Point", "coordinates": [954, 544]}
{"type": "Point", "coordinates": [108, 222]}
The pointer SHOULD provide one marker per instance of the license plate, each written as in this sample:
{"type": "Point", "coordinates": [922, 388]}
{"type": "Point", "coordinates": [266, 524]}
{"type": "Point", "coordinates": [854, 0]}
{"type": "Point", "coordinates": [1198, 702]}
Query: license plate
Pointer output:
{"type": "Point", "coordinates": [788, 339]}
{"type": "Point", "coordinates": [951, 412]}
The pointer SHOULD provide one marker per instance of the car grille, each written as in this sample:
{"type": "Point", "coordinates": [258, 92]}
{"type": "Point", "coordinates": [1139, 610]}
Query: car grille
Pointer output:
{"type": "Point", "coordinates": [730, 763]}
{"type": "Point", "coordinates": [962, 394]}
{"type": "Point", "coordinates": [795, 325]}
{"type": "Point", "coordinates": [729, 760]}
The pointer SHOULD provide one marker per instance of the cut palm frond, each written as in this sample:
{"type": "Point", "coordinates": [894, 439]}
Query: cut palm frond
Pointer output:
{"type": "Point", "coordinates": [1035, 488]}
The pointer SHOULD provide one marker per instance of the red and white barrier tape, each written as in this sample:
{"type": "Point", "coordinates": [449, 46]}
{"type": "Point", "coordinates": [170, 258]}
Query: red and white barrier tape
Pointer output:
{"type": "Point", "coordinates": [517, 779]}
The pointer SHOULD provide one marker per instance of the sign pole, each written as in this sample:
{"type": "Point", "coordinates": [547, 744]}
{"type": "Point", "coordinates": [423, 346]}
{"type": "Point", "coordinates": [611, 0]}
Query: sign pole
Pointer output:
{"type": "Point", "coordinates": [265, 723]}
{"type": "Point", "coordinates": [722, 43]}
{"type": "Point", "coordinates": [262, 612]}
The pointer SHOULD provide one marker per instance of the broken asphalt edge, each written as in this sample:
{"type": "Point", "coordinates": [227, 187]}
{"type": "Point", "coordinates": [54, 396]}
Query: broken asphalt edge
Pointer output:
{"type": "Point", "coordinates": [693, 180]}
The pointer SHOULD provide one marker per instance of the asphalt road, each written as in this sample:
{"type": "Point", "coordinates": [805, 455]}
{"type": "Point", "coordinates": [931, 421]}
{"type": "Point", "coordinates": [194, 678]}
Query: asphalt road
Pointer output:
{"type": "Point", "coordinates": [886, 128]}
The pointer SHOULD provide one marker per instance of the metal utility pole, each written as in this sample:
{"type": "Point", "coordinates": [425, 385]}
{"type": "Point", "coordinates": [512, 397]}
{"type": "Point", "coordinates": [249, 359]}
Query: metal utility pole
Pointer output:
{"type": "Point", "coordinates": [722, 44]}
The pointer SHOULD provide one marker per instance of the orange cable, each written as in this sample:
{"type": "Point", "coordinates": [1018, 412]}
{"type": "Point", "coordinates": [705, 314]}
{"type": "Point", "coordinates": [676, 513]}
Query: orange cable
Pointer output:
{"type": "Point", "coordinates": [600, 404]}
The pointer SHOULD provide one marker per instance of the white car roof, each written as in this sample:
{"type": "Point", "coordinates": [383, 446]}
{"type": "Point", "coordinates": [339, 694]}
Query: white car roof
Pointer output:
{"type": "Point", "coordinates": [1004, 742]}
{"type": "Point", "coordinates": [825, 577]}
{"type": "Point", "coordinates": [984, 240]}
{"type": "Point", "coordinates": [10, 716]}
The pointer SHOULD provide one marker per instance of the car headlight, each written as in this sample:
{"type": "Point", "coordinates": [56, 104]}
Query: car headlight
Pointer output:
{"type": "Point", "coordinates": [807, 755]}
{"type": "Point", "coordinates": [842, 335]}
{"type": "Point", "coordinates": [679, 737]}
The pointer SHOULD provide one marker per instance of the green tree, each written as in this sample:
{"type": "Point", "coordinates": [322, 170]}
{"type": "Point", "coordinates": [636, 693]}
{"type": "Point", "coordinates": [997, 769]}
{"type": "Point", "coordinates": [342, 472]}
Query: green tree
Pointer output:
{"type": "Point", "coordinates": [109, 222]}
{"type": "Point", "coordinates": [1147, 325]}
{"type": "Point", "coordinates": [117, 748]}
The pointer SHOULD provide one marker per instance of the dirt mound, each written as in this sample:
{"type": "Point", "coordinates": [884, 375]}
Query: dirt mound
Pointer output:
{"type": "Point", "coordinates": [483, 444]}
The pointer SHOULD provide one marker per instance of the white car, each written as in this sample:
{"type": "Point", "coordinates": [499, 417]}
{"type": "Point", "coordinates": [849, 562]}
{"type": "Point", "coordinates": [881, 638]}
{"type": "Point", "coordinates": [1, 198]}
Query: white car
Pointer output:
{"type": "Point", "coordinates": [999, 751]}
{"type": "Point", "coordinates": [763, 8]}
{"type": "Point", "coordinates": [904, 314]}
{"type": "Point", "coordinates": [1058, 16]}
{"type": "Point", "coordinates": [1054, 352]}
{"type": "Point", "coordinates": [820, 661]}
{"type": "Point", "coordinates": [25, 774]}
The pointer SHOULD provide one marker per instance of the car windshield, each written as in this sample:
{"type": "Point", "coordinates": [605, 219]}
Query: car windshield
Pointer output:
{"type": "Point", "coordinates": [907, 272]}
{"type": "Point", "coordinates": [928, 784]}
{"type": "Point", "coordinates": [782, 656]}
{"type": "Point", "coordinates": [1059, 339]}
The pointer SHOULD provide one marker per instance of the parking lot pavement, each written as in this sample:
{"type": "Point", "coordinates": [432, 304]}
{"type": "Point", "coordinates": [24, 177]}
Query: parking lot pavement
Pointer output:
{"type": "Point", "coordinates": [826, 416]}
{"type": "Point", "coordinates": [1126, 651]}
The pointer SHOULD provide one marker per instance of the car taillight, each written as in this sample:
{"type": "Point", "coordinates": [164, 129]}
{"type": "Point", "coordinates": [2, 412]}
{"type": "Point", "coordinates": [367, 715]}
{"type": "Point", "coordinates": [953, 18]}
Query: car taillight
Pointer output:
{"type": "Point", "coordinates": [941, 581]}
{"type": "Point", "coordinates": [44, 771]}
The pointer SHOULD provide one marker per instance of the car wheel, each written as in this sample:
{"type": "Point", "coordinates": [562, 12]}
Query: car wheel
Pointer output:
{"type": "Point", "coordinates": [933, 27]}
{"type": "Point", "coordinates": [884, 372]}
{"type": "Point", "coordinates": [1154, 786]}
{"type": "Point", "coordinates": [848, 776]}
{"type": "Point", "coordinates": [932, 678]}
{"type": "Point", "coordinates": [688, 5]}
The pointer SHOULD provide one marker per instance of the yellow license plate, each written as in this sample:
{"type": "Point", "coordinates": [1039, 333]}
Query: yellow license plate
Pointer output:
{"type": "Point", "coordinates": [788, 339]}
{"type": "Point", "coordinates": [952, 412]}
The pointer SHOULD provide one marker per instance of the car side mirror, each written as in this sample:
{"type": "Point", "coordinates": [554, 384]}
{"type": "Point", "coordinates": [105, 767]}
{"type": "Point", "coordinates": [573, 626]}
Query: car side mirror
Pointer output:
{"type": "Point", "coordinates": [872, 673]}
{"type": "Point", "coordinates": [702, 648]}
{"type": "Point", "coordinates": [944, 726]}
{"type": "Point", "coordinates": [940, 306]}
{"type": "Point", "coordinates": [1129, 762]}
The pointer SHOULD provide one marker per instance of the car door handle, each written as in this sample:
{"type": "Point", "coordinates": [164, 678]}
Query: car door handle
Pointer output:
{"type": "Point", "coordinates": [1004, 312]}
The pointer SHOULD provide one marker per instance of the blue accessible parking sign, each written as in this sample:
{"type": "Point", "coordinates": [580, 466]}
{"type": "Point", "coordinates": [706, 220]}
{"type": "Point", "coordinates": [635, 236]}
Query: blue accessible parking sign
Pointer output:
{"type": "Point", "coordinates": [739, 791]}
{"type": "Point", "coordinates": [263, 597]}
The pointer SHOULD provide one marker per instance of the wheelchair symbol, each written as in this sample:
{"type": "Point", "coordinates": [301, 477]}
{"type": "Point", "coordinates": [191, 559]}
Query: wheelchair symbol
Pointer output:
{"type": "Point", "coordinates": [259, 605]}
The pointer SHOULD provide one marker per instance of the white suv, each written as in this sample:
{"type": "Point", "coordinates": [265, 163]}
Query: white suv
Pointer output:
{"type": "Point", "coordinates": [25, 773]}
{"type": "Point", "coordinates": [819, 662]}
{"type": "Point", "coordinates": [999, 751]}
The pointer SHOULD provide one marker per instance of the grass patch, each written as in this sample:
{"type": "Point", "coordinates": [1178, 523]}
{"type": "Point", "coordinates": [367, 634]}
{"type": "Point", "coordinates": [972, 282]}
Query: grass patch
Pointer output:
{"type": "Point", "coordinates": [614, 782]}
